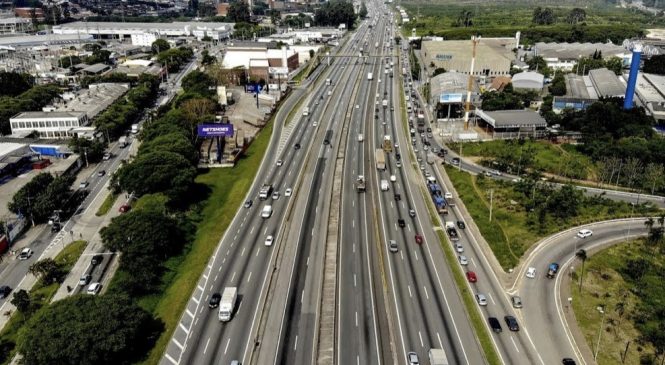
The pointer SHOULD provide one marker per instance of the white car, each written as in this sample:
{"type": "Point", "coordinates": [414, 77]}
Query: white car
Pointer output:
{"type": "Point", "coordinates": [458, 247]}
{"type": "Point", "coordinates": [398, 164]}
{"type": "Point", "coordinates": [275, 195]}
{"type": "Point", "coordinates": [288, 192]}
{"type": "Point", "coordinates": [315, 124]}
{"type": "Point", "coordinates": [280, 162]}
{"type": "Point", "coordinates": [94, 288]}
{"type": "Point", "coordinates": [269, 240]}
{"type": "Point", "coordinates": [584, 233]}
{"type": "Point", "coordinates": [25, 254]}
{"type": "Point", "coordinates": [463, 260]}
{"type": "Point", "coordinates": [531, 272]}
{"type": "Point", "coordinates": [396, 145]}
{"type": "Point", "coordinates": [393, 178]}
{"type": "Point", "coordinates": [481, 299]}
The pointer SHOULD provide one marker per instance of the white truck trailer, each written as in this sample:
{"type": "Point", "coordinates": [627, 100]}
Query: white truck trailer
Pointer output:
{"type": "Point", "coordinates": [227, 304]}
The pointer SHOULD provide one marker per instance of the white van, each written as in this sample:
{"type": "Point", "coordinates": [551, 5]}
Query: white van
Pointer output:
{"type": "Point", "coordinates": [384, 185]}
{"type": "Point", "coordinates": [360, 137]}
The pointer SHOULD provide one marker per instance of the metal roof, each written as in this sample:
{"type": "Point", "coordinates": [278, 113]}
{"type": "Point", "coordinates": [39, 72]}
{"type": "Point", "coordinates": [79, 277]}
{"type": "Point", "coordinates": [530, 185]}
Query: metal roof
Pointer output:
{"type": "Point", "coordinates": [512, 118]}
{"type": "Point", "coordinates": [606, 83]}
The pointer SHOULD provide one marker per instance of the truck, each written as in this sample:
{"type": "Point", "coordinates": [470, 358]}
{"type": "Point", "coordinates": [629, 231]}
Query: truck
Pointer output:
{"type": "Point", "coordinates": [123, 142]}
{"type": "Point", "coordinates": [384, 185]}
{"type": "Point", "coordinates": [360, 184]}
{"type": "Point", "coordinates": [452, 231]}
{"type": "Point", "coordinates": [265, 191]}
{"type": "Point", "coordinates": [385, 103]}
{"type": "Point", "coordinates": [437, 197]}
{"type": "Point", "coordinates": [135, 128]}
{"type": "Point", "coordinates": [328, 82]}
{"type": "Point", "coordinates": [305, 112]}
{"type": "Point", "coordinates": [267, 211]}
{"type": "Point", "coordinates": [376, 45]}
{"type": "Point", "coordinates": [437, 357]}
{"type": "Point", "coordinates": [449, 198]}
{"type": "Point", "coordinates": [387, 144]}
{"type": "Point", "coordinates": [404, 71]}
{"type": "Point", "coordinates": [228, 303]}
{"type": "Point", "coordinates": [421, 119]}
{"type": "Point", "coordinates": [380, 159]}
{"type": "Point", "coordinates": [370, 76]}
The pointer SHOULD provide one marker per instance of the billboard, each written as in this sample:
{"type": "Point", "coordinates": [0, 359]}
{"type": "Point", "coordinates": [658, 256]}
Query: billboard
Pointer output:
{"type": "Point", "coordinates": [215, 130]}
{"type": "Point", "coordinates": [451, 98]}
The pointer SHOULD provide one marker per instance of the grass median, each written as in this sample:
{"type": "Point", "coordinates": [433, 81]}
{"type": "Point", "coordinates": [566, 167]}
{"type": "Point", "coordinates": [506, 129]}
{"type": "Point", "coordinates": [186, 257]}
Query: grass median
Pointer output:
{"type": "Point", "coordinates": [228, 189]}
{"type": "Point", "coordinates": [107, 204]}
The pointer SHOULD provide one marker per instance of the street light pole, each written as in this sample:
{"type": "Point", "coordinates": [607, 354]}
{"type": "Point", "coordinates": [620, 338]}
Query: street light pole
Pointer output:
{"type": "Point", "coordinates": [600, 331]}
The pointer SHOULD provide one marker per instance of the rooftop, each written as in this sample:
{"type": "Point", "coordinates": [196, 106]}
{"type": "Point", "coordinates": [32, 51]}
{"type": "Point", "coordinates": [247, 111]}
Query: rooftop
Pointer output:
{"type": "Point", "coordinates": [512, 118]}
{"type": "Point", "coordinates": [95, 99]}
{"type": "Point", "coordinates": [606, 83]}
{"type": "Point", "coordinates": [143, 26]}
{"type": "Point", "coordinates": [576, 50]}
{"type": "Point", "coordinates": [55, 114]}
{"type": "Point", "coordinates": [47, 39]}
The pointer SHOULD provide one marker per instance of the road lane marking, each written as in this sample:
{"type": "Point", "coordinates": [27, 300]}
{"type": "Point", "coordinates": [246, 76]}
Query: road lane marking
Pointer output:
{"type": "Point", "coordinates": [354, 248]}
{"type": "Point", "coordinates": [409, 287]}
{"type": "Point", "coordinates": [249, 277]}
{"type": "Point", "coordinates": [307, 263]}
{"type": "Point", "coordinates": [439, 338]}
{"type": "Point", "coordinates": [243, 252]}
{"type": "Point", "coordinates": [401, 253]}
{"type": "Point", "coordinates": [409, 227]}
{"type": "Point", "coordinates": [177, 343]}
{"type": "Point", "coordinates": [353, 223]}
{"type": "Point", "coordinates": [182, 326]}
{"type": "Point", "coordinates": [473, 262]}
{"type": "Point", "coordinates": [201, 311]}
{"type": "Point", "coordinates": [257, 251]}
{"type": "Point", "coordinates": [302, 296]}
{"type": "Point", "coordinates": [220, 268]}
{"type": "Point", "coordinates": [200, 288]}
{"type": "Point", "coordinates": [491, 298]}
{"type": "Point", "coordinates": [356, 319]}
{"type": "Point", "coordinates": [233, 276]}
{"type": "Point", "coordinates": [216, 276]}
{"type": "Point", "coordinates": [227, 346]}
{"type": "Point", "coordinates": [170, 358]}
{"type": "Point", "coordinates": [295, 345]}
{"type": "Point", "coordinates": [354, 280]}
{"type": "Point", "coordinates": [196, 300]}
{"type": "Point", "coordinates": [514, 344]}
{"type": "Point", "coordinates": [426, 294]}
{"type": "Point", "coordinates": [421, 339]}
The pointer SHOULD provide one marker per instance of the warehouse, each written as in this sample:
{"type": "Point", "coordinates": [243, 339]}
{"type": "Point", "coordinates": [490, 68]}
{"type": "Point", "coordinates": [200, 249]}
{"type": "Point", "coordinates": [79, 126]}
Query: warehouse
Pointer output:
{"type": "Point", "coordinates": [510, 124]}
{"type": "Point", "coordinates": [564, 56]}
{"type": "Point", "coordinates": [528, 81]}
{"type": "Point", "coordinates": [493, 56]}
{"type": "Point", "coordinates": [606, 83]}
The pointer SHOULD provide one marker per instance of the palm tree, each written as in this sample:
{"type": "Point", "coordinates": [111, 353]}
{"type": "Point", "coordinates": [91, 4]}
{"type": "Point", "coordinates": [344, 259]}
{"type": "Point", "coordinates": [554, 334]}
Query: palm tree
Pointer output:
{"type": "Point", "coordinates": [582, 255]}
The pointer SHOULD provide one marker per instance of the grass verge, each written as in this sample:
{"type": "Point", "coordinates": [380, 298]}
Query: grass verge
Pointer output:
{"type": "Point", "coordinates": [477, 320]}
{"type": "Point", "coordinates": [228, 189]}
{"type": "Point", "coordinates": [40, 295]}
{"type": "Point", "coordinates": [107, 204]}
{"type": "Point", "coordinates": [625, 303]}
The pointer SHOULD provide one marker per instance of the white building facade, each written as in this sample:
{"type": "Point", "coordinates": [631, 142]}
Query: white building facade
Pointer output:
{"type": "Point", "coordinates": [48, 124]}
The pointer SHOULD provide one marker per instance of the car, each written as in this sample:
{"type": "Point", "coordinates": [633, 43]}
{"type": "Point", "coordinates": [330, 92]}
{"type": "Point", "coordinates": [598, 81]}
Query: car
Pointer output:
{"type": "Point", "coordinates": [280, 162]}
{"type": "Point", "coordinates": [458, 247]}
{"type": "Point", "coordinates": [392, 108]}
{"type": "Point", "coordinates": [83, 184]}
{"type": "Point", "coordinates": [495, 172]}
{"type": "Point", "coordinates": [419, 239]}
{"type": "Point", "coordinates": [455, 161]}
{"type": "Point", "coordinates": [25, 254]}
{"type": "Point", "coordinates": [422, 167]}
{"type": "Point", "coordinates": [55, 227]}
{"type": "Point", "coordinates": [398, 156]}
{"type": "Point", "coordinates": [393, 178]}
{"type": "Point", "coordinates": [297, 146]}
{"type": "Point", "coordinates": [392, 246]}
{"type": "Point", "coordinates": [124, 208]}
{"type": "Point", "coordinates": [398, 164]}
{"type": "Point", "coordinates": [401, 223]}
{"type": "Point", "coordinates": [552, 270]}
{"type": "Point", "coordinates": [107, 156]}
{"type": "Point", "coordinates": [494, 324]}
{"type": "Point", "coordinates": [516, 301]}
{"type": "Point", "coordinates": [214, 300]}
{"type": "Point", "coordinates": [419, 159]}
{"type": "Point", "coordinates": [94, 288]}
{"type": "Point", "coordinates": [412, 357]}
{"type": "Point", "coordinates": [427, 174]}
{"type": "Point", "coordinates": [101, 173]}
{"type": "Point", "coordinates": [315, 124]}
{"type": "Point", "coordinates": [512, 323]}
{"type": "Point", "coordinates": [396, 145]}
{"type": "Point", "coordinates": [398, 197]}
{"type": "Point", "coordinates": [269, 240]}
{"type": "Point", "coordinates": [412, 213]}
{"type": "Point", "coordinates": [461, 225]}
{"type": "Point", "coordinates": [531, 272]}
{"type": "Point", "coordinates": [288, 192]}
{"type": "Point", "coordinates": [4, 291]}
{"type": "Point", "coordinates": [481, 299]}
{"type": "Point", "coordinates": [429, 130]}
{"type": "Point", "coordinates": [96, 260]}
{"type": "Point", "coordinates": [471, 276]}
{"type": "Point", "coordinates": [568, 361]}
{"type": "Point", "coordinates": [85, 279]}
{"type": "Point", "coordinates": [584, 233]}
{"type": "Point", "coordinates": [275, 195]}
{"type": "Point", "coordinates": [248, 204]}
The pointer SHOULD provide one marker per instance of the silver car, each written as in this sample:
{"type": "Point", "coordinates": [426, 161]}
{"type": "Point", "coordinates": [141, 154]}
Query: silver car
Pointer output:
{"type": "Point", "coordinates": [516, 301]}
{"type": "Point", "coordinates": [392, 246]}
{"type": "Point", "coordinates": [481, 299]}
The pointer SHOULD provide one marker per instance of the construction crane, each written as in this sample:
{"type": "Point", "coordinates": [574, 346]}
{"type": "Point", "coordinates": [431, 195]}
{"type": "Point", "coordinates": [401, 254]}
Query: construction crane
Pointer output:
{"type": "Point", "coordinates": [467, 106]}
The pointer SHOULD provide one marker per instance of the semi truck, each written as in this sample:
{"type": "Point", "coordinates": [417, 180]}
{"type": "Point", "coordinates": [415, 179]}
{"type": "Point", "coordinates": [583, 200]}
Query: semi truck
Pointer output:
{"type": "Point", "coordinates": [265, 191]}
{"type": "Point", "coordinates": [380, 159]}
{"type": "Point", "coordinates": [228, 303]}
{"type": "Point", "coordinates": [360, 184]}
{"type": "Point", "coordinates": [437, 357]}
{"type": "Point", "coordinates": [370, 76]}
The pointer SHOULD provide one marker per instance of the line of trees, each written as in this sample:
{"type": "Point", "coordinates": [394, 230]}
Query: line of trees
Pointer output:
{"type": "Point", "coordinates": [44, 194]}
{"type": "Point", "coordinates": [174, 58]}
{"type": "Point", "coordinates": [336, 12]}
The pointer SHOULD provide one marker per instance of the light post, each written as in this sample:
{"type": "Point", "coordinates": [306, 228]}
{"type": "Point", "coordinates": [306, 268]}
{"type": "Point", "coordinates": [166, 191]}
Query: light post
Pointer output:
{"type": "Point", "coordinates": [600, 330]}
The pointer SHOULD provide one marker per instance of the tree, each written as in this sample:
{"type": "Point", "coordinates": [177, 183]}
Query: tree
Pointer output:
{"type": "Point", "coordinates": [543, 16]}
{"type": "Point", "coordinates": [238, 12]}
{"type": "Point", "coordinates": [87, 330]}
{"type": "Point", "coordinates": [576, 15]}
{"type": "Point", "coordinates": [173, 142]}
{"type": "Point", "coordinates": [48, 270]}
{"type": "Point", "coordinates": [558, 86]}
{"type": "Point", "coordinates": [655, 65]}
{"type": "Point", "coordinates": [24, 200]}
{"type": "Point", "coordinates": [207, 59]}
{"type": "Point", "coordinates": [539, 64]}
{"type": "Point", "coordinates": [438, 71]}
{"type": "Point", "coordinates": [160, 45]}
{"type": "Point", "coordinates": [92, 150]}
{"type": "Point", "coordinates": [582, 256]}
{"type": "Point", "coordinates": [614, 64]}
{"type": "Point", "coordinates": [464, 19]}
{"type": "Point", "coordinates": [653, 176]}
{"type": "Point", "coordinates": [336, 12]}
{"type": "Point", "coordinates": [198, 82]}
{"type": "Point", "coordinates": [14, 83]}
{"type": "Point", "coordinates": [362, 13]}
{"type": "Point", "coordinates": [21, 300]}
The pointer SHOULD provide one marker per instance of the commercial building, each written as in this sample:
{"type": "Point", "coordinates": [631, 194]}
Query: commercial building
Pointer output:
{"type": "Point", "coordinates": [15, 25]}
{"type": "Point", "coordinates": [493, 56]}
{"type": "Point", "coordinates": [510, 124]}
{"type": "Point", "coordinates": [448, 93]}
{"type": "Point", "coordinates": [606, 83]}
{"type": "Point", "coordinates": [564, 56]}
{"type": "Point", "coordinates": [528, 81]}
{"type": "Point", "coordinates": [261, 62]}
{"type": "Point", "coordinates": [134, 68]}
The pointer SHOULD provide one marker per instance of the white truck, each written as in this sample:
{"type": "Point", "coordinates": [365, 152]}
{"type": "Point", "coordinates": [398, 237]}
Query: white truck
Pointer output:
{"type": "Point", "coordinates": [328, 82]}
{"type": "Point", "coordinates": [384, 185]}
{"type": "Point", "coordinates": [437, 357]}
{"type": "Point", "coordinates": [449, 198]}
{"type": "Point", "coordinates": [135, 128]}
{"type": "Point", "coordinates": [228, 303]}
{"type": "Point", "coordinates": [385, 103]}
{"type": "Point", "coordinates": [370, 76]}
{"type": "Point", "coordinates": [305, 112]}
{"type": "Point", "coordinates": [360, 184]}
{"type": "Point", "coordinates": [267, 211]}
{"type": "Point", "coordinates": [265, 191]}
{"type": "Point", "coordinates": [123, 142]}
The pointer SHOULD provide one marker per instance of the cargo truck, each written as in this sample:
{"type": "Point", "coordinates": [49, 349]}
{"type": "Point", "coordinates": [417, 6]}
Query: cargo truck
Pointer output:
{"type": "Point", "coordinates": [227, 304]}
{"type": "Point", "coordinates": [387, 144]}
{"type": "Point", "coordinates": [360, 184]}
{"type": "Point", "coordinates": [135, 128]}
{"type": "Point", "coordinates": [265, 191]}
{"type": "Point", "coordinates": [437, 357]}
{"type": "Point", "coordinates": [305, 111]}
{"type": "Point", "coordinates": [380, 159]}
{"type": "Point", "coordinates": [369, 76]}
{"type": "Point", "coordinates": [449, 199]}
{"type": "Point", "coordinates": [123, 142]}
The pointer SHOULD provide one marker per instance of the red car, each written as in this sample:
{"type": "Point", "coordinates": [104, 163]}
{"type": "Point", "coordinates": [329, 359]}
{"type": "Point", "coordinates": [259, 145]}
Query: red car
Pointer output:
{"type": "Point", "coordinates": [125, 208]}
{"type": "Point", "coordinates": [419, 238]}
{"type": "Point", "coordinates": [471, 276]}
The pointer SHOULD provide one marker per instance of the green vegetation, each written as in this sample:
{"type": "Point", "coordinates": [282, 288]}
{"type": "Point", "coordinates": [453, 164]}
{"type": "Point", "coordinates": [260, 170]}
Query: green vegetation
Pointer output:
{"type": "Point", "coordinates": [507, 99]}
{"type": "Point", "coordinates": [655, 65]}
{"type": "Point", "coordinates": [33, 302]}
{"type": "Point", "coordinates": [15, 83]}
{"type": "Point", "coordinates": [33, 99]}
{"type": "Point", "coordinates": [628, 282]}
{"type": "Point", "coordinates": [44, 194]}
{"type": "Point", "coordinates": [334, 13]}
{"type": "Point", "coordinates": [526, 211]}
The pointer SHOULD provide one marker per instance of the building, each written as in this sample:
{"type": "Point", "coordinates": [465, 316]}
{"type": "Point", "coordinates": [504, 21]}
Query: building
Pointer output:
{"type": "Point", "coordinates": [448, 93]}
{"type": "Point", "coordinates": [261, 62]}
{"type": "Point", "coordinates": [53, 124]}
{"type": "Point", "coordinates": [134, 68]}
{"type": "Point", "coordinates": [606, 83]}
{"type": "Point", "coordinates": [528, 80]}
{"type": "Point", "coordinates": [564, 56]}
{"type": "Point", "coordinates": [143, 32]}
{"type": "Point", "coordinates": [27, 13]}
{"type": "Point", "coordinates": [650, 93]}
{"type": "Point", "coordinates": [493, 56]}
{"type": "Point", "coordinates": [509, 124]}
{"type": "Point", "coordinates": [15, 25]}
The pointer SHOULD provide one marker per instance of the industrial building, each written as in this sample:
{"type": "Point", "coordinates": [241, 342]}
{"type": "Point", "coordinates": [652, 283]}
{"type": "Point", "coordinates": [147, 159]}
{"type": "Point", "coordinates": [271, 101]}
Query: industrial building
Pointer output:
{"type": "Point", "coordinates": [606, 83]}
{"type": "Point", "coordinates": [146, 33]}
{"type": "Point", "coordinates": [510, 124]}
{"type": "Point", "coordinates": [564, 56]}
{"type": "Point", "coordinates": [650, 91]}
{"type": "Point", "coordinates": [15, 25]}
{"type": "Point", "coordinates": [448, 93]}
{"type": "Point", "coordinates": [528, 81]}
{"type": "Point", "coordinates": [493, 56]}
{"type": "Point", "coordinates": [261, 62]}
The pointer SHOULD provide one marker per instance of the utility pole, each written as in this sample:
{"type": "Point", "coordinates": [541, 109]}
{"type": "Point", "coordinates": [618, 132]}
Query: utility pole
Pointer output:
{"type": "Point", "coordinates": [491, 202]}
{"type": "Point", "coordinates": [467, 106]}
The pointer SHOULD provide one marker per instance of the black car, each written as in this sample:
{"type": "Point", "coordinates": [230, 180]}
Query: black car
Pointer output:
{"type": "Point", "coordinates": [214, 300]}
{"type": "Point", "coordinates": [4, 291]}
{"type": "Point", "coordinates": [568, 361]}
{"type": "Point", "coordinates": [398, 197]}
{"type": "Point", "coordinates": [297, 146]}
{"type": "Point", "coordinates": [429, 130]}
{"type": "Point", "coordinates": [96, 260]}
{"type": "Point", "coordinates": [512, 323]}
{"type": "Point", "coordinates": [248, 204]}
{"type": "Point", "coordinates": [461, 225]}
{"type": "Point", "coordinates": [401, 223]}
{"type": "Point", "coordinates": [494, 324]}
{"type": "Point", "coordinates": [398, 156]}
{"type": "Point", "coordinates": [101, 173]}
{"type": "Point", "coordinates": [55, 227]}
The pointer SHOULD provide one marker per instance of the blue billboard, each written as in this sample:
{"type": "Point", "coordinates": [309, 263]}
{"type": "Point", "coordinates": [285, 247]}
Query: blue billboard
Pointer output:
{"type": "Point", "coordinates": [215, 130]}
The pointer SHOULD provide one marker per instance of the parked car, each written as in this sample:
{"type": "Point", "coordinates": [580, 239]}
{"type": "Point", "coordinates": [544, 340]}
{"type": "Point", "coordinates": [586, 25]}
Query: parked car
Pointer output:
{"type": "Point", "coordinates": [471, 276]}
{"type": "Point", "coordinates": [214, 300]}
